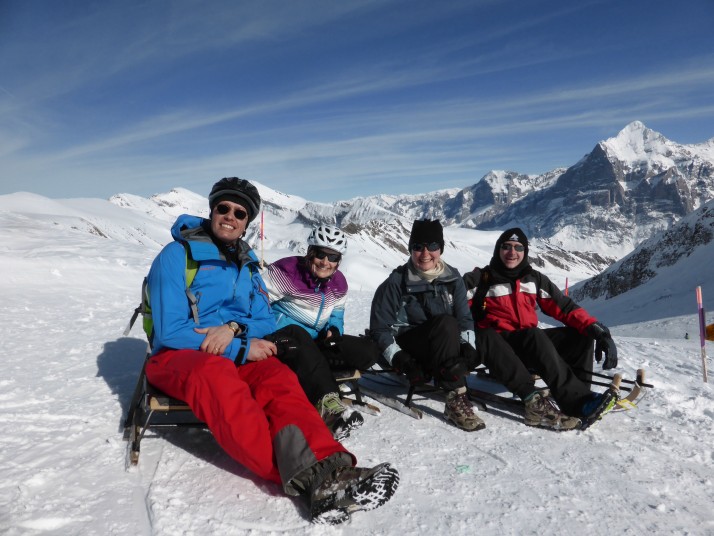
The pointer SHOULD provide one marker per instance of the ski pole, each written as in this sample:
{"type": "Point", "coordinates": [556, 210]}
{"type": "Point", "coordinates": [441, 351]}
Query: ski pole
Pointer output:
{"type": "Point", "coordinates": [262, 234]}
{"type": "Point", "coordinates": [702, 332]}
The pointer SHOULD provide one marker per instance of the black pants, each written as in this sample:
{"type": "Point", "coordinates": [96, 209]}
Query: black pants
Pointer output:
{"type": "Point", "coordinates": [313, 362]}
{"type": "Point", "coordinates": [551, 353]}
{"type": "Point", "coordinates": [434, 343]}
{"type": "Point", "coordinates": [350, 352]}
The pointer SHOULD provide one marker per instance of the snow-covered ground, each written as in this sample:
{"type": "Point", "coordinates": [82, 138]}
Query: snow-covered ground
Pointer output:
{"type": "Point", "coordinates": [68, 374]}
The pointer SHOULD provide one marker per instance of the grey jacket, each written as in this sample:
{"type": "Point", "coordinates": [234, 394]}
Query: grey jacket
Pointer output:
{"type": "Point", "coordinates": [404, 302]}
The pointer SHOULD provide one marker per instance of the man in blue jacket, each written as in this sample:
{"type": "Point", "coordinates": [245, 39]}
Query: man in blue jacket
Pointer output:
{"type": "Point", "coordinates": [212, 347]}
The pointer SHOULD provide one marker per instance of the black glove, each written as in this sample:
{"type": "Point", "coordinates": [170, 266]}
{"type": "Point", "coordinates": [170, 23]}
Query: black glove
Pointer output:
{"type": "Point", "coordinates": [335, 336]}
{"type": "Point", "coordinates": [286, 346]}
{"type": "Point", "coordinates": [407, 365]}
{"type": "Point", "coordinates": [453, 369]}
{"type": "Point", "coordinates": [469, 355]}
{"type": "Point", "coordinates": [603, 345]}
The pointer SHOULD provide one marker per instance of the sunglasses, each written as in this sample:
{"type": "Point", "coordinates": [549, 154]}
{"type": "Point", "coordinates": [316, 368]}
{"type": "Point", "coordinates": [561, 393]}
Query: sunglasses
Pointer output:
{"type": "Point", "coordinates": [431, 246]}
{"type": "Point", "coordinates": [332, 257]}
{"type": "Point", "coordinates": [508, 247]}
{"type": "Point", "coordinates": [239, 213]}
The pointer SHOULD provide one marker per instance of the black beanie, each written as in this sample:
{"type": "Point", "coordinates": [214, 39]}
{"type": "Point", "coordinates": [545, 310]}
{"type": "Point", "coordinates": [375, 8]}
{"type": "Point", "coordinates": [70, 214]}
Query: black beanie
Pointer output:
{"type": "Point", "coordinates": [514, 234]}
{"type": "Point", "coordinates": [426, 231]}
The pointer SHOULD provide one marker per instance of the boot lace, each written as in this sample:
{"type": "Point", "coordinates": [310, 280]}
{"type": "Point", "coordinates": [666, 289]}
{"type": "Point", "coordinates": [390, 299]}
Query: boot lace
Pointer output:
{"type": "Point", "coordinates": [461, 404]}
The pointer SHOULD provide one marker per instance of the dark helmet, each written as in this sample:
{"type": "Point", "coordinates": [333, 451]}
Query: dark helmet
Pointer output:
{"type": "Point", "coordinates": [238, 191]}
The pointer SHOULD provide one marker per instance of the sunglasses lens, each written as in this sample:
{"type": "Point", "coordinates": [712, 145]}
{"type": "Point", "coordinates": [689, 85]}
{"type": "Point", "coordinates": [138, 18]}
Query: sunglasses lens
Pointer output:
{"type": "Point", "coordinates": [239, 214]}
{"type": "Point", "coordinates": [431, 246]}
{"type": "Point", "coordinates": [517, 247]}
{"type": "Point", "coordinates": [332, 257]}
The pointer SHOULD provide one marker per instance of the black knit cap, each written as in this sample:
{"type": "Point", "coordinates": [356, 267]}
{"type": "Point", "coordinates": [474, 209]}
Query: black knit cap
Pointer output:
{"type": "Point", "coordinates": [514, 234]}
{"type": "Point", "coordinates": [426, 231]}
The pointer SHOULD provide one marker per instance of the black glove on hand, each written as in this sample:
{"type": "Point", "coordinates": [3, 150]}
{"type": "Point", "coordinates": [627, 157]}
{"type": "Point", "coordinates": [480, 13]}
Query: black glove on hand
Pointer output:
{"type": "Point", "coordinates": [335, 336]}
{"type": "Point", "coordinates": [286, 346]}
{"type": "Point", "coordinates": [469, 355]}
{"type": "Point", "coordinates": [603, 345]}
{"type": "Point", "coordinates": [407, 365]}
{"type": "Point", "coordinates": [453, 369]}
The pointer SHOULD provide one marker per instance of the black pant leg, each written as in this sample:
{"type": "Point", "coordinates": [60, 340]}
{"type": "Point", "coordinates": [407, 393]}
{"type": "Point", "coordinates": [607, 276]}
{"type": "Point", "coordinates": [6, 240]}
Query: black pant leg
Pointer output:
{"type": "Point", "coordinates": [351, 352]}
{"type": "Point", "coordinates": [537, 352]}
{"type": "Point", "coordinates": [433, 343]}
{"type": "Point", "coordinates": [503, 363]}
{"type": "Point", "coordinates": [308, 363]}
{"type": "Point", "coordinates": [576, 350]}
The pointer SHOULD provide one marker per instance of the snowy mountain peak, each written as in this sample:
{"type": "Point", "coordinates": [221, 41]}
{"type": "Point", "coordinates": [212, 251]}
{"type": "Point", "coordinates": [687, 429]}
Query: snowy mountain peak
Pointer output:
{"type": "Point", "coordinates": [637, 143]}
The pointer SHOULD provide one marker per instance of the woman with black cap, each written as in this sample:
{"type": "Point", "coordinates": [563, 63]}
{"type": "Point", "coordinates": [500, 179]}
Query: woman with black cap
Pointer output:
{"type": "Point", "coordinates": [421, 322]}
{"type": "Point", "coordinates": [504, 298]}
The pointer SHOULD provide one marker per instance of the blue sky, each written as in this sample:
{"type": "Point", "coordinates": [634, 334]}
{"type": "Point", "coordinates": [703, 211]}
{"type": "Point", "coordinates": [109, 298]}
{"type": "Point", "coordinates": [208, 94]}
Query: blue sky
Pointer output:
{"type": "Point", "coordinates": [333, 99]}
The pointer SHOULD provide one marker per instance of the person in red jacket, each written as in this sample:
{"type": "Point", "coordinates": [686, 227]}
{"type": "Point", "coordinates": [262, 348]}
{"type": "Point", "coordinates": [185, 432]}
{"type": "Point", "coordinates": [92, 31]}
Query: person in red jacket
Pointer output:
{"type": "Point", "coordinates": [504, 296]}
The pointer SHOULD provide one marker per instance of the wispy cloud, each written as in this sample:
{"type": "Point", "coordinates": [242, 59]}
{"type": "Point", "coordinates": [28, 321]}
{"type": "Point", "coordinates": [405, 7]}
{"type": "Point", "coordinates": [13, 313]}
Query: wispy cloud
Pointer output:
{"type": "Point", "coordinates": [384, 94]}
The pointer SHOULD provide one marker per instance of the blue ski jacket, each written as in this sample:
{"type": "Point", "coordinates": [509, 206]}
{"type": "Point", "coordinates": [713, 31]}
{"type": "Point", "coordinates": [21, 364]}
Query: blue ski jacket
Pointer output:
{"type": "Point", "coordinates": [224, 290]}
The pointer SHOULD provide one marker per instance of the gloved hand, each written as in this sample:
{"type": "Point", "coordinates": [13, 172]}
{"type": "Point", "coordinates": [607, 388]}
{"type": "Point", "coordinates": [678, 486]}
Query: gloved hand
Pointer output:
{"type": "Point", "coordinates": [469, 355]}
{"type": "Point", "coordinates": [287, 346]}
{"type": "Point", "coordinates": [407, 365]}
{"type": "Point", "coordinates": [603, 345]}
{"type": "Point", "coordinates": [334, 338]}
{"type": "Point", "coordinates": [453, 369]}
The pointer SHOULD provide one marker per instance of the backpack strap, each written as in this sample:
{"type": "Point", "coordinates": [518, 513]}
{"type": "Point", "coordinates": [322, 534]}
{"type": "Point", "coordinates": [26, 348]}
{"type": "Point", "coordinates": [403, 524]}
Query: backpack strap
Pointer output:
{"type": "Point", "coordinates": [191, 270]}
{"type": "Point", "coordinates": [478, 303]}
{"type": "Point", "coordinates": [144, 308]}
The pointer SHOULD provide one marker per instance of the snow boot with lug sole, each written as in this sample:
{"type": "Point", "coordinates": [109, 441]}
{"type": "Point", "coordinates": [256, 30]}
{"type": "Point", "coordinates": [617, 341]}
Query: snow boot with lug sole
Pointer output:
{"type": "Point", "coordinates": [460, 412]}
{"type": "Point", "coordinates": [350, 489]}
{"type": "Point", "coordinates": [541, 410]}
{"type": "Point", "coordinates": [339, 418]}
{"type": "Point", "coordinates": [597, 406]}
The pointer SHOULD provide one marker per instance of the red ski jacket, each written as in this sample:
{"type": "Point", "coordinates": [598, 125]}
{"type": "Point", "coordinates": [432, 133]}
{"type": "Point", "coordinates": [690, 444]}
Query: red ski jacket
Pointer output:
{"type": "Point", "coordinates": [512, 306]}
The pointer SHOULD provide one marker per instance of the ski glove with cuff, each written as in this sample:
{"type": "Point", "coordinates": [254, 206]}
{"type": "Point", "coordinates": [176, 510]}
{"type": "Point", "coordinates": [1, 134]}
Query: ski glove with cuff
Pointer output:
{"type": "Point", "coordinates": [407, 365]}
{"type": "Point", "coordinates": [603, 345]}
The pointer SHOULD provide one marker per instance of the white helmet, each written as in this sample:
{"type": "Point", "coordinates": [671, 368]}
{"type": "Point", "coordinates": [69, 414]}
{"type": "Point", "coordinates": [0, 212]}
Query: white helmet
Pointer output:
{"type": "Point", "coordinates": [325, 236]}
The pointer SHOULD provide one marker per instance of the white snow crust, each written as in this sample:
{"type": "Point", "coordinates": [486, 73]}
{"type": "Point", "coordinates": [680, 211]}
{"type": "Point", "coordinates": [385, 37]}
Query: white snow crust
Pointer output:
{"type": "Point", "coordinates": [72, 271]}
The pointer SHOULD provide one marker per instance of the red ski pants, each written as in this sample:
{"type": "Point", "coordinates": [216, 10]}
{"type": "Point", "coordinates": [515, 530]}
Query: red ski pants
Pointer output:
{"type": "Point", "coordinates": [246, 407]}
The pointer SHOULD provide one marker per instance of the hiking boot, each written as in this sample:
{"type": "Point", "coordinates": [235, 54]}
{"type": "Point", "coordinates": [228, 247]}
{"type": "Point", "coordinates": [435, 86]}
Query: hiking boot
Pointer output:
{"type": "Point", "coordinates": [597, 405]}
{"type": "Point", "coordinates": [340, 419]}
{"type": "Point", "coordinates": [542, 410]}
{"type": "Point", "coordinates": [460, 412]}
{"type": "Point", "coordinates": [349, 489]}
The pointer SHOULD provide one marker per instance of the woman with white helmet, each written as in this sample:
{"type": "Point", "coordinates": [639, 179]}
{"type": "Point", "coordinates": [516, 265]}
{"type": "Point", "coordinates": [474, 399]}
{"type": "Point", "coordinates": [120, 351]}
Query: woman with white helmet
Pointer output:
{"type": "Point", "coordinates": [307, 296]}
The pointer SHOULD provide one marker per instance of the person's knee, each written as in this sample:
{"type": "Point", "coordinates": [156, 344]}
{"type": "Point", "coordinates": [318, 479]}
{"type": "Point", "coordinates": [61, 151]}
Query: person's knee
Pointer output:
{"type": "Point", "coordinates": [446, 324]}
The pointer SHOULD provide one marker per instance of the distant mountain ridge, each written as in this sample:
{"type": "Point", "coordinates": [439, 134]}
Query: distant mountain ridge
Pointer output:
{"type": "Point", "coordinates": [626, 190]}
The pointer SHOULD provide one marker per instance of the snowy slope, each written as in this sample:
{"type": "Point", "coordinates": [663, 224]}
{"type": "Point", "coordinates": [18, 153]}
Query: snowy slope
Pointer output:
{"type": "Point", "coordinates": [71, 276]}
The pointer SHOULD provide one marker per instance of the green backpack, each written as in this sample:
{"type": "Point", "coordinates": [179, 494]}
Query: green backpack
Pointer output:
{"type": "Point", "coordinates": [144, 307]}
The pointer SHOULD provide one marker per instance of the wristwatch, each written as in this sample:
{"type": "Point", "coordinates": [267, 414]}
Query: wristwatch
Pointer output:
{"type": "Point", "coordinates": [236, 327]}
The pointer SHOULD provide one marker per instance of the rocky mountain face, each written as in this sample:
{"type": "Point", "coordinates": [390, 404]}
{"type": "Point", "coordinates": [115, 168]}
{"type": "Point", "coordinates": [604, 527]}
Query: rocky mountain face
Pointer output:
{"type": "Point", "coordinates": [626, 190]}
{"type": "Point", "coordinates": [683, 240]}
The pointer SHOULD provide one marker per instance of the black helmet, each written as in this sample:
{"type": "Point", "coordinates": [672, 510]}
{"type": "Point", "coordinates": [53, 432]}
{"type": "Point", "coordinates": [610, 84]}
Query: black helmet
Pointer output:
{"type": "Point", "coordinates": [236, 190]}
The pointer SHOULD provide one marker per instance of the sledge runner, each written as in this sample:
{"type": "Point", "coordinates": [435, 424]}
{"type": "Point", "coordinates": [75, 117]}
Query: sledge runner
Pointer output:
{"type": "Point", "coordinates": [504, 296]}
{"type": "Point", "coordinates": [223, 364]}
{"type": "Point", "coordinates": [308, 296]}
{"type": "Point", "coordinates": [421, 322]}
